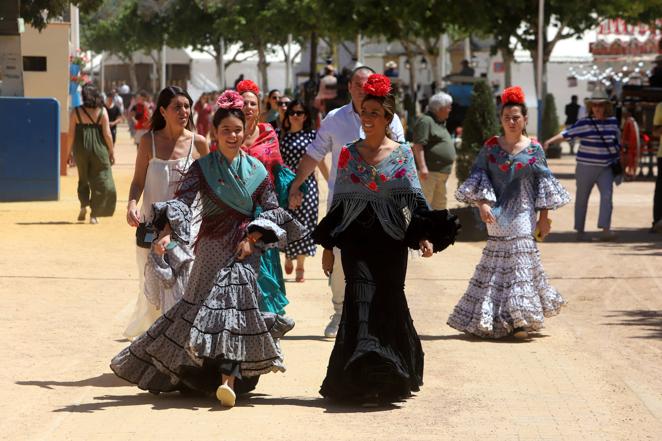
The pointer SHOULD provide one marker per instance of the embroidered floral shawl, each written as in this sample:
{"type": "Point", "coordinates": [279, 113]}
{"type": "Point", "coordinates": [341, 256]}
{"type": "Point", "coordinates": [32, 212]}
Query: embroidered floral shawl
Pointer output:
{"type": "Point", "coordinates": [266, 149]}
{"type": "Point", "coordinates": [391, 188]}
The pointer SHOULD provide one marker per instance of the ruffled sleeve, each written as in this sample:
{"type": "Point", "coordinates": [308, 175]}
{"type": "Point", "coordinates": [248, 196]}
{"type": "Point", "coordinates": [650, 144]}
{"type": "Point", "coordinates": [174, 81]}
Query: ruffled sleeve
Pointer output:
{"type": "Point", "coordinates": [277, 225]}
{"type": "Point", "coordinates": [177, 213]}
{"type": "Point", "coordinates": [477, 187]}
{"type": "Point", "coordinates": [323, 234]}
{"type": "Point", "coordinates": [550, 194]}
{"type": "Point", "coordinates": [440, 227]}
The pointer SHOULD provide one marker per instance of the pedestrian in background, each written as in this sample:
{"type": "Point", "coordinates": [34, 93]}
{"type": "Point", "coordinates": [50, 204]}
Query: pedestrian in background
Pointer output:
{"type": "Point", "coordinates": [91, 144]}
{"type": "Point", "coordinates": [599, 151]}
{"type": "Point", "coordinates": [296, 134]}
{"type": "Point", "coordinates": [114, 115]}
{"type": "Point", "coordinates": [340, 127]}
{"type": "Point", "coordinates": [140, 114]}
{"type": "Point", "coordinates": [434, 150]}
{"type": "Point", "coordinates": [657, 199]}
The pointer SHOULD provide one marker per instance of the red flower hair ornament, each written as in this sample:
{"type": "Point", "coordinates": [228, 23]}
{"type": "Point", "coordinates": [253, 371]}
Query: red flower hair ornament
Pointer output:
{"type": "Point", "coordinates": [377, 85]}
{"type": "Point", "coordinates": [248, 86]}
{"type": "Point", "coordinates": [513, 95]}
{"type": "Point", "coordinates": [230, 99]}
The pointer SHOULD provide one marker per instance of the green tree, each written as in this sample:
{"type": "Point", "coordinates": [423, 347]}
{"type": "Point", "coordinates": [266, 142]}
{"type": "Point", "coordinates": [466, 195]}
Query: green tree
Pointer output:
{"type": "Point", "coordinates": [479, 125]}
{"type": "Point", "coordinates": [37, 13]}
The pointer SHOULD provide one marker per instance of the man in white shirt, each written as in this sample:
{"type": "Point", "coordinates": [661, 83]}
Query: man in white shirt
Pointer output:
{"type": "Point", "coordinates": [340, 127]}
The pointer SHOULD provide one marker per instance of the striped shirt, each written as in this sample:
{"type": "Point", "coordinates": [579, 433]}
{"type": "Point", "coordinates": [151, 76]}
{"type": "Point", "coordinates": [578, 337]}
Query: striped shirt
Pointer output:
{"type": "Point", "coordinates": [599, 140]}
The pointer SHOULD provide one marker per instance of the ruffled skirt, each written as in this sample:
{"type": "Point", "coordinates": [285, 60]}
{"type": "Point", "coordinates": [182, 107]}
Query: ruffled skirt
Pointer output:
{"type": "Point", "coordinates": [270, 282]}
{"type": "Point", "coordinates": [508, 290]}
{"type": "Point", "coordinates": [185, 348]}
{"type": "Point", "coordinates": [377, 352]}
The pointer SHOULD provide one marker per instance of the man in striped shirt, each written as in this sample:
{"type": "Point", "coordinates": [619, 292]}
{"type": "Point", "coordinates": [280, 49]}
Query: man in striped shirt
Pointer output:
{"type": "Point", "coordinates": [599, 137]}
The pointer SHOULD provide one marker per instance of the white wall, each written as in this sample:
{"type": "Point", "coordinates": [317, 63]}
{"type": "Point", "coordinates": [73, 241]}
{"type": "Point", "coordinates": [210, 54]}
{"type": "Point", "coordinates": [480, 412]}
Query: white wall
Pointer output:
{"type": "Point", "coordinates": [52, 43]}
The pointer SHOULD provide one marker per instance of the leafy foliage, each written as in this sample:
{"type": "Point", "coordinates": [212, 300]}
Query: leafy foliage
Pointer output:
{"type": "Point", "coordinates": [38, 12]}
{"type": "Point", "coordinates": [550, 120]}
{"type": "Point", "coordinates": [480, 124]}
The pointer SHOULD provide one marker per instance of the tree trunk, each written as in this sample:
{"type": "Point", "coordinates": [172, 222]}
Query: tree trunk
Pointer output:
{"type": "Point", "coordinates": [507, 66]}
{"type": "Point", "coordinates": [218, 59]}
{"type": "Point", "coordinates": [433, 62]}
{"type": "Point", "coordinates": [313, 56]}
{"type": "Point", "coordinates": [133, 76]}
{"type": "Point", "coordinates": [413, 82]}
{"type": "Point", "coordinates": [262, 67]}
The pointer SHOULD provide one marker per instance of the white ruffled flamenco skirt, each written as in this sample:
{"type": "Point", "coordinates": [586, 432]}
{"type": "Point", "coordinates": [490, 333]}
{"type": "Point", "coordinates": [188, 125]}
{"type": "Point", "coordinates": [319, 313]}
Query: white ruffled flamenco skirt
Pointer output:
{"type": "Point", "coordinates": [508, 290]}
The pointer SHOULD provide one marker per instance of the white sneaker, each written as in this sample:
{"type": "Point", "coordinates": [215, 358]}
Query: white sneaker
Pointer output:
{"type": "Point", "coordinates": [332, 328]}
{"type": "Point", "coordinates": [226, 395]}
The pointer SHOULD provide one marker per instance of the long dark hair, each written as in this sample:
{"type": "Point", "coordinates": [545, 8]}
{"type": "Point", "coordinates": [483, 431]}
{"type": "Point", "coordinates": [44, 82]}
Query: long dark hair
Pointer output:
{"type": "Point", "coordinates": [91, 96]}
{"type": "Point", "coordinates": [164, 99]}
{"type": "Point", "coordinates": [307, 123]}
{"type": "Point", "coordinates": [271, 92]}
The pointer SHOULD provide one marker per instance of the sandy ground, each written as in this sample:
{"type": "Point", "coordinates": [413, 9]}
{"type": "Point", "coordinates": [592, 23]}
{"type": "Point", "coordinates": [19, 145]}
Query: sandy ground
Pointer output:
{"type": "Point", "coordinates": [595, 373]}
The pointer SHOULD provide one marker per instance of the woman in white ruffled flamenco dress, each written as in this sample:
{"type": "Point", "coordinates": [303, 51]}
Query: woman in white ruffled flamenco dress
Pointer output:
{"type": "Point", "coordinates": [514, 189]}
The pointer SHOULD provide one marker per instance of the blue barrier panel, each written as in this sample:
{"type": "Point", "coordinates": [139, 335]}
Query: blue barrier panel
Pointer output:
{"type": "Point", "coordinates": [29, 149]}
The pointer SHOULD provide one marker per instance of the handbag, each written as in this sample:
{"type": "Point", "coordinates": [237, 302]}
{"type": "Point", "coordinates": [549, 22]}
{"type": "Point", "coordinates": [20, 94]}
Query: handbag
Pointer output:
{"type": "Point", "coordinates": [616, 167]}
{"type": "Point", "coordinates": [145, 235]}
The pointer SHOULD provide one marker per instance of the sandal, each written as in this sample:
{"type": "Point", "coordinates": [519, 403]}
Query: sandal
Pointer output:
{"type": "Point", "coordinates": [289, 266]}
{"type": "Point", "coordinates": [300, 277]}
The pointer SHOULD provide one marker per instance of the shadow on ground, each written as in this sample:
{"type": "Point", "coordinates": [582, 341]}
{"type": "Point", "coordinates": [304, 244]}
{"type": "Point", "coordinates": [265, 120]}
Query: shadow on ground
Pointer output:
{"type": "Point", "coordinates": [49, 223]}
{"type": "Point", "coordinates": [473, 339]}
{"type": "Point", "coordinates": [649, 321]}
{"type": "Point", "coordinates": [178, 401]}
{"type": "Point", "coordinates": [640, 236]}
{"type": "Point", "coordinates": [103, 380]}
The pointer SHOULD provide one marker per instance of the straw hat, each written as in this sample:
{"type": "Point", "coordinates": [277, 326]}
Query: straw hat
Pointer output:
{"type": "Point", "coordinates": [598, 95]}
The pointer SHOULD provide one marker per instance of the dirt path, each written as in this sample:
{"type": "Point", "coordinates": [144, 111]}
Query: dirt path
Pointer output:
{"type": "Point", "coordinates": [67, 289]}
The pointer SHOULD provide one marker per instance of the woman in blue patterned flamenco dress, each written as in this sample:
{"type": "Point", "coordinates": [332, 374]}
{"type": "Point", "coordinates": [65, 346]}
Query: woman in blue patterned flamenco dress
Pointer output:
{"type": "Point", "coordinates": [510, 182]}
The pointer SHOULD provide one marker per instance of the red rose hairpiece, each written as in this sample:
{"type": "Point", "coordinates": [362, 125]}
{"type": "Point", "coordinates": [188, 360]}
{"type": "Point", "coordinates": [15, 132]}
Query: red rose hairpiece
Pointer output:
{"type": "Point", "coordinates": [377, 85]}
{"type": "Point", "coordinates": [230, 99]}
{"type": "Point", "coordinates": [248, 86]}
{"type": "Point", "coordinates": [514, 95]}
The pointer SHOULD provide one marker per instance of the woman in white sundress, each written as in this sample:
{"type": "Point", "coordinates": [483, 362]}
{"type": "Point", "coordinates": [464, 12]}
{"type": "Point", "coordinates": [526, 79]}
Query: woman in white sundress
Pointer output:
{"type": "Point", "coordinates": [164, 155]}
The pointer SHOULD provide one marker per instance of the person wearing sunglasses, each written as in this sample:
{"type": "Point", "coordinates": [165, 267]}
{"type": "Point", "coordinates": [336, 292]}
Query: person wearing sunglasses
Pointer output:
{"type": "Point", "coordinates": [295, 135]}
{"type": "Point", "coordinates": [282, 104]}
{"type": "Point", "coordinates": [270, 115]}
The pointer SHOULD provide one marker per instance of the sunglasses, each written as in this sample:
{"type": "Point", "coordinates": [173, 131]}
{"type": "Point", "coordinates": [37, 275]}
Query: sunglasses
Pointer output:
{"type": "Point", "coordinates": [282, 103]}
{"type": "Point", "coordinates": [297, 113]}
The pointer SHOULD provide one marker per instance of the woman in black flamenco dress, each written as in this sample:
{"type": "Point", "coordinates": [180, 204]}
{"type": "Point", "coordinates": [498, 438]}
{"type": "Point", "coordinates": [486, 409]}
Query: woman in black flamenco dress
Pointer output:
{"type": "Point", "coordinates": [378, 211]}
